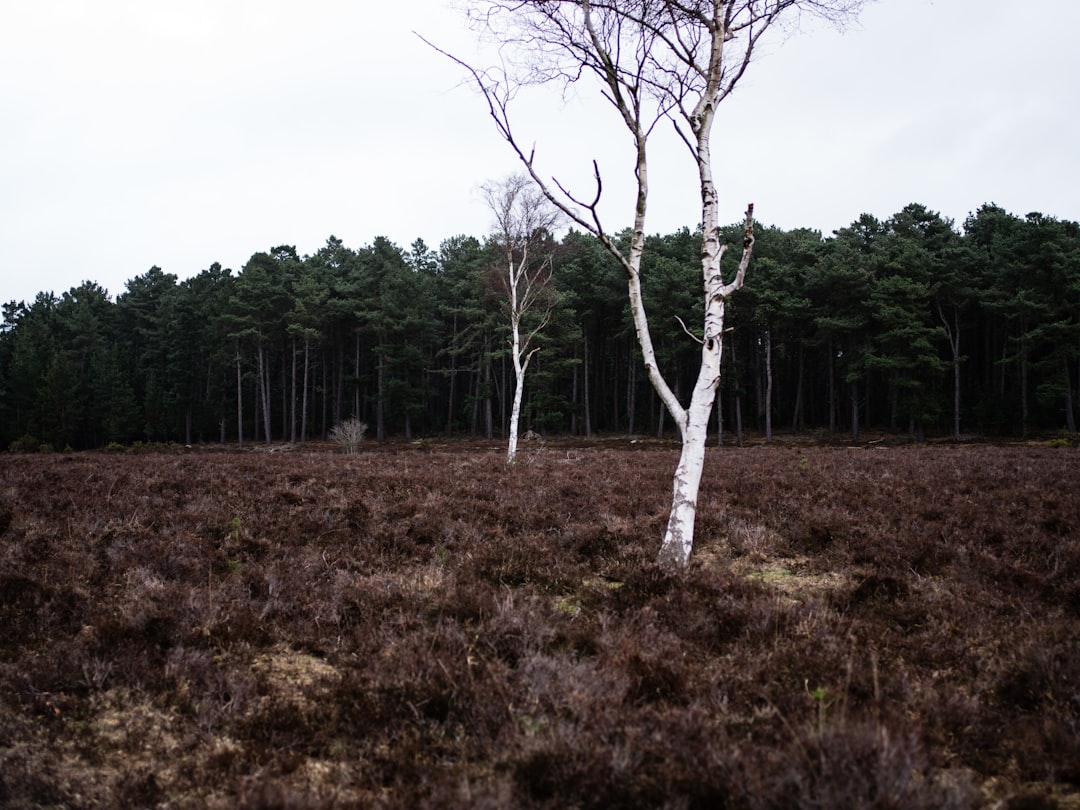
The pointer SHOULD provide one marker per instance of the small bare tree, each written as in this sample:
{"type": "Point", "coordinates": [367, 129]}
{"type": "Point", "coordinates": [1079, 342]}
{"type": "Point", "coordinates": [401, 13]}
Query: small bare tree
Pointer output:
{"type": "Point", "coordinates": [652, 61]}
{"type": "Point", "coordinates": [349, 434]}
{"type": "Point", "coordinates": [524, 219]}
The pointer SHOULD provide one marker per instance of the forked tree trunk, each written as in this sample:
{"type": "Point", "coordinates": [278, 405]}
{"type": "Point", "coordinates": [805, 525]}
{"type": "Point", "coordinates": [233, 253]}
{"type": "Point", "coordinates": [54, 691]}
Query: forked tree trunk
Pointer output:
{"type": "Point", "coordinates": [678, 539]}
{"type": "Point", "coordinates": [524, 217]}
{"type": "Point", "coordinates": [693, 422]}
{"type": "Point", "coordinates": [685, 78]}
{"type": "Point", "coordinates": [520, 354]}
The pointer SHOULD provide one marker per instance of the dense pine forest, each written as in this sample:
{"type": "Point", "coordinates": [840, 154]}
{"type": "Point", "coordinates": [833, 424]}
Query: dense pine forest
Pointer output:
{"type": "Point", "coordinates": [909, 325]}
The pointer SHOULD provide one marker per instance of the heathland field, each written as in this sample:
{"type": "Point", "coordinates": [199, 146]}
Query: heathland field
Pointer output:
{"type": "Point", "coordinates": [419, 626]}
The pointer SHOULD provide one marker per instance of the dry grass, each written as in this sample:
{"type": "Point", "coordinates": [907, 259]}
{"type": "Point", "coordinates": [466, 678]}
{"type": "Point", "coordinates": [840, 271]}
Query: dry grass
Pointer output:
{"type": "Point", "coordinates": [422, 627]}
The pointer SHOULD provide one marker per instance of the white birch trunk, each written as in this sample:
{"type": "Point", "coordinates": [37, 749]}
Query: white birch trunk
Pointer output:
{"type": "Point", "coordinates": [519, 372]}
{"type": "Point", "coordinates": [524, 215]}
{"type": "Point", "coordinates": [515, 347]}
{"type": "Point", "coordinates": [678, 539]}
{"type": "Point", "coordinates": [693, 422]}
{"type": "Point", "coordinates": [519, 351]}
{"type": "Point", "coordinates": [515, 410]}
{"type": "Point", "coordinates": [652, 62]}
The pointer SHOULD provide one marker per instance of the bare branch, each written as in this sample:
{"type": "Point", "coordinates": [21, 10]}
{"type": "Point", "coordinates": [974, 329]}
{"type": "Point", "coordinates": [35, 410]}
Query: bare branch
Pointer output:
{"type": "Point", "coordinates": [688, 332]}
{"type": "Point", "coordinates": [498, 95]}
{"type": "Point", "coordinates": [748, 249]}
{"type": "Point", "coordinates": [651, 60]}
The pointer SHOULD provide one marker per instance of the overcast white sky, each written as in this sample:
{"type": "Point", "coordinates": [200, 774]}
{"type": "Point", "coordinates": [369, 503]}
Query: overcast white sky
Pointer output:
{"type": "Point", "coordinates": [136, 133]}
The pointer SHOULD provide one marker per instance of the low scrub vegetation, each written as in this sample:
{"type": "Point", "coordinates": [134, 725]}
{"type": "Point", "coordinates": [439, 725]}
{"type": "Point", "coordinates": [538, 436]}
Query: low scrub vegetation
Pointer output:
{"type": "Point", "coordinates": [859, 628]}
{"type": "Point", "coordinates": [348, 435]}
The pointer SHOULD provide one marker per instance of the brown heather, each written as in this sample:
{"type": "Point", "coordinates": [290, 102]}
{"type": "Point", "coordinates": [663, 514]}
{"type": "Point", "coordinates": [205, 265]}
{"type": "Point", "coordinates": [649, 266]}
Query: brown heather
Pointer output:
{"type": "Point", "coordinates": [402, 628]}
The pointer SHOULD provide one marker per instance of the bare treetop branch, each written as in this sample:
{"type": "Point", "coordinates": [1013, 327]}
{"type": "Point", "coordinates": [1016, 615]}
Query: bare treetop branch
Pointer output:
{"type": "Point", "coordinates": [651, 60]}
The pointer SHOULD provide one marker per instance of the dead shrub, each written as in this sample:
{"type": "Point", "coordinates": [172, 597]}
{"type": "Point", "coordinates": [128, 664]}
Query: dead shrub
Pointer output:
{"type": "Point", "coordinates": [349, 435]}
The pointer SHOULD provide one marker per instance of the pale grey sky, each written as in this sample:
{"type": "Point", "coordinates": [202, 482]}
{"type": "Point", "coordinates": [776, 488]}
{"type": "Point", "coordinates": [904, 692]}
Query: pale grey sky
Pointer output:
{"type": "Point", "coordinates": [137, 133]}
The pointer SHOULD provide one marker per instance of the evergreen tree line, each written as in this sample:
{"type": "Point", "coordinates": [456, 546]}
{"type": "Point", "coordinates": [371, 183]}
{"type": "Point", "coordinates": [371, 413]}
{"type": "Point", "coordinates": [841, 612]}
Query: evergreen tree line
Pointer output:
{"type": "Point", "coordinates": [908, 325]}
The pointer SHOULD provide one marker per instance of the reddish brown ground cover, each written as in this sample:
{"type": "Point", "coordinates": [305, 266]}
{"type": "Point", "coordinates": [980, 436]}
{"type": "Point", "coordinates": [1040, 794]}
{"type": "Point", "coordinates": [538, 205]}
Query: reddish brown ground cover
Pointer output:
{"type": "Point", "coordinates": [408, 627]}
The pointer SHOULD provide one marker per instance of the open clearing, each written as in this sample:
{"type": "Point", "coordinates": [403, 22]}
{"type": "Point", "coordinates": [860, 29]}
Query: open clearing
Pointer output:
{"type": "Point", "coordinates": [418, 626]}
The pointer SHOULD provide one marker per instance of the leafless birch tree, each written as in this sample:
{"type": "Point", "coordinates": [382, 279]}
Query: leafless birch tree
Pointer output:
{"type": "Point", "coordinates": [524, 217]}
{"type": "Point", "coordinates": [653, 62]}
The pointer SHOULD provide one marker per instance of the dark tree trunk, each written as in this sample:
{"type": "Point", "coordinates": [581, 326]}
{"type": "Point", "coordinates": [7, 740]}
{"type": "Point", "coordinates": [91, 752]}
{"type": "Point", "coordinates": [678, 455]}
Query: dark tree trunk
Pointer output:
{"type": "Point", "coordinates": [768, 386]}
{"type": "Point", "coordinates": [292, 410]}
{"type": "Point", "coordinates": [738, 420]}
{"type": "Point", "coordinates": [304, 398]}
{"type": "Point", "coordinates": [380, 417]}
{"type": "Point", "coordinates": [1024, 395]}
{"type": "Point", "coordinates": [239, 401]}
{"type": "Point", "coordinates": [1070, 418]}
{"type": "Point", "coordinates": [453, 381]}
{"type": "Point", "coordinates": [854, 411]}
{"type": "Point", "coordinates": [830, 381]}
{"type": "Point", "coordinates": [796, 411]}
{"type": "Point", "coordinates": [585, 384]}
